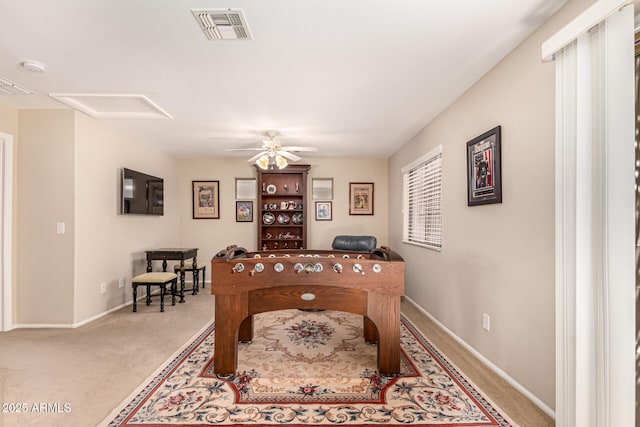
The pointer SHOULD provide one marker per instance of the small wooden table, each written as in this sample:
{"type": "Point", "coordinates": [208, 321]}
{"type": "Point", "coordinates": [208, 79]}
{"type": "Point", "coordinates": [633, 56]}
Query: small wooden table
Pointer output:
{"type": "Point", "coordinates": [175, 254]}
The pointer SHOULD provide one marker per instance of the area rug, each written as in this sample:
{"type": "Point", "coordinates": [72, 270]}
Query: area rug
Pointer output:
{"type": "Point", "coordinates": [309, 368]}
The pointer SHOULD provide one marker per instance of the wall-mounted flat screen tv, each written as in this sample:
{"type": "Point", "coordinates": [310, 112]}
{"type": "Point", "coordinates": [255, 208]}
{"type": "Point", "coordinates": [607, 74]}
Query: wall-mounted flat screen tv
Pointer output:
{"type": "Point", "coordinates": [141, 193]}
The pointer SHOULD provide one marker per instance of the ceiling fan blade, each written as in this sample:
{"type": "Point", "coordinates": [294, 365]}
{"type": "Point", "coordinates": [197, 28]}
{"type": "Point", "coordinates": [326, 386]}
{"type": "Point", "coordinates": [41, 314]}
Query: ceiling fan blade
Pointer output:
{"type": "Point", "coordinates": [245, 149]}
{"type": "Point", "coordinates": [289, 156]}
{"type": "Point", "coordinates": [299, 149]}
{"type": "Point", "coordinates": [257, 156]}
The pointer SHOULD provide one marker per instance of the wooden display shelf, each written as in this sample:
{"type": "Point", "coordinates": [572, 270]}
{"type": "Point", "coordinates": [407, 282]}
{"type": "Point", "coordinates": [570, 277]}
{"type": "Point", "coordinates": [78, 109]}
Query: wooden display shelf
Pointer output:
{"type": "Point", "coordinates": [277, 190]}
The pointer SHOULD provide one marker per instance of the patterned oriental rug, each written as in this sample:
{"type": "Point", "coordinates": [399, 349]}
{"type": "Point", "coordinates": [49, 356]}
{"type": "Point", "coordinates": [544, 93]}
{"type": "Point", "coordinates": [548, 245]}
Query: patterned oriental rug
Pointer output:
{"type": "Point", "coordinates": [307, 368]}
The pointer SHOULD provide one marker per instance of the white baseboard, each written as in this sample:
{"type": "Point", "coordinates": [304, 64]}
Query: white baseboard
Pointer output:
{"type": "Point", "coordinates": [104, 313]}
{"type": "Point", "coordinates": [43, 326]}
{"type": "Point", "coordinates": [539, 403]}
{"type": "Point", "coordinates": [83, 322]}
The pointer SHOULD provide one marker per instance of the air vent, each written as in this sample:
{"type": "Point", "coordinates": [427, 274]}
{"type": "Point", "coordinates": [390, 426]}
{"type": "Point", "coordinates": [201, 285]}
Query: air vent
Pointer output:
{"type": "Point", "coordinates": [8, 87]}
{"type": "Point", "coordinates": [223, 24]}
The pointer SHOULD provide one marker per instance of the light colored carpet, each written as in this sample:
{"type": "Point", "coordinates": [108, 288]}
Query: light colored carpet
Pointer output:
{"type": "Point", "coordinates": [310, 368]}
{"type": "Point", "coordinates": [76, 377]}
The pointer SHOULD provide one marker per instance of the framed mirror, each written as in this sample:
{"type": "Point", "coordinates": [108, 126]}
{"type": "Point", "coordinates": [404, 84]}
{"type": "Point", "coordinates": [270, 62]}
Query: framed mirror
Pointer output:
{"type": "Point", "coordinates": [245, 188]}
{"type": "Point", "coordinates": [322, 188]}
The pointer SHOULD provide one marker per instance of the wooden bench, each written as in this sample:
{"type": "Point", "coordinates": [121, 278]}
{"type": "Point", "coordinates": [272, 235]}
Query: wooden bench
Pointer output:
{"type": "Point", "coordinates": [155, 279]}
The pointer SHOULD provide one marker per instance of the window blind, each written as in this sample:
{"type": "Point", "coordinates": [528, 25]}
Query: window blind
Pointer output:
{"type": "Point", "coordinates": [422, 201]}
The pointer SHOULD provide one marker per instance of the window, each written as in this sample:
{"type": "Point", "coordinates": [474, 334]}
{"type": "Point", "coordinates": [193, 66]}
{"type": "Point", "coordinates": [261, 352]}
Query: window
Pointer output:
{"type": "Point", "coordinates": [422, 201]}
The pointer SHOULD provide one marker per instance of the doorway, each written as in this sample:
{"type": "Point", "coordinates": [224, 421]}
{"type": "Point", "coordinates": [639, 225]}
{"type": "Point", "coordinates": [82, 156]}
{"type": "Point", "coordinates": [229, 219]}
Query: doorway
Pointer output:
{"type": "Point", "coordinates": [637, 206]}
{"type": "Point", "coordinates": [6, 227]}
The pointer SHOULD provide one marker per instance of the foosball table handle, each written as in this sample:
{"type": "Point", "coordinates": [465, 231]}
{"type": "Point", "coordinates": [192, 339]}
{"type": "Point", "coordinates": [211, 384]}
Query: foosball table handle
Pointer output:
{"type": "Point", "coordinates": [383, 252]}
{"type": "Point", "coordinates": [231, 252]}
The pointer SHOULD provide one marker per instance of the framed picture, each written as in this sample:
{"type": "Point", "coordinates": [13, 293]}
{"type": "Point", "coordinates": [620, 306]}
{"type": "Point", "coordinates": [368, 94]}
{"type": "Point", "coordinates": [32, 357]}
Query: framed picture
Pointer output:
{"type": "Point", "coordinates": [322, 188]}
{"type": "Point", "coordinates": [245, 188]}
{"type": "Point", "coordinates": [323, 211]}
{"type": "Point", "coordinates": [206, 199]}
{"type": "Point", "coordinates": [244, 211]}
{"type": "Point", "coordinates": [484, 175]}
{"type": "Point", "coordinates": [361, 198]}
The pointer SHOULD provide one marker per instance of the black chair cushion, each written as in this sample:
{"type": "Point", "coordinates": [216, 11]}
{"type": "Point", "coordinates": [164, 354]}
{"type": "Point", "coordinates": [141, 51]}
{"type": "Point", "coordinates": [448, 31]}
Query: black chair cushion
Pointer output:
{"type": "Point", "coordinates": [354, 243]}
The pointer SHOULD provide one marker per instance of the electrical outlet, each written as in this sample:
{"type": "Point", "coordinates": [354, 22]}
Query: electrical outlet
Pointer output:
{"type": "Point", "coordinates": [486, 322]}
{"type": "Point", "coordinates": [121, 283]}
{"type": "Point", "coordinates": [103, 287]}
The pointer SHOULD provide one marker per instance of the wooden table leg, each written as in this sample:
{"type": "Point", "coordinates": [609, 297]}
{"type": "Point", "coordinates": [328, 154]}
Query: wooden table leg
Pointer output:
{"type": "Point", "coordinates": [245, 333]}
{"type": "Point", "coordinates": [135, 297]}
{"type": "Point", "coordinates": [231, 311]}
{"type": "Point", "coordinates": [194, 290]}
{"type": "Point", "coordinates": [384, 311]}
{"type": "Point", "coordinates": [370, 331]}
{"type": "Point", "coordinates": [181, 280]}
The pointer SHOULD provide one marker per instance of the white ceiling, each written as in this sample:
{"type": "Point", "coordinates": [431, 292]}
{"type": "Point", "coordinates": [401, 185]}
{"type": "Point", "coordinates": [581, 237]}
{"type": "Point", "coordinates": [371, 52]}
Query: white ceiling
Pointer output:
{"type": "Point", "coordinates": [352, 77]}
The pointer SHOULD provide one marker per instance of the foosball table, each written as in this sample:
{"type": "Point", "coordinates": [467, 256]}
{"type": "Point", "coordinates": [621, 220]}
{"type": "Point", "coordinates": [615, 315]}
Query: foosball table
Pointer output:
{"type": "Point", "coordinates": [248, 283]}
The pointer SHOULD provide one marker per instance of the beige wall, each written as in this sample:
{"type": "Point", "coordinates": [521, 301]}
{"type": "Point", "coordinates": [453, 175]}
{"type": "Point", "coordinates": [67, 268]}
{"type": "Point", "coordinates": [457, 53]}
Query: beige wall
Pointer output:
{"type": "Point", "coordinates": [45, 196]}
{"type": "Point", "coordinates": [110, 246]}
{"type": "Point", "coordinates": [72, 156]}
{"type": "Point", "coordinates": [68, 170]}
{"type": "Point", "coordinates": [344, 171]}
{"type": "Point", "coordinates": [9, 120]}
{"type": "Point", "coordinates": [496, 259]}
{"type": "Point", "coordinates": [210, 236]}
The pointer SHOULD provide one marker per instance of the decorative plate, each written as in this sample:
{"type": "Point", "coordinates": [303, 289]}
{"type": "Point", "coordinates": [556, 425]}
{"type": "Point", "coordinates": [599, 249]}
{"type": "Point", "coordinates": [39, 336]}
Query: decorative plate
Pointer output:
{"type": "Point", "coordinates": [297, 218]}
{"type": "Point", "coordinates": [271, 189]}
{"type": "Point", "coordinates": [283, 218]}
{"type": "Point", "coordinates": [268, 218]}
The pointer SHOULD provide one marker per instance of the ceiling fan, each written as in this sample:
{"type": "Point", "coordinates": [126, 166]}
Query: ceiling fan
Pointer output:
{"type": "Point", "coordinates": [272, 154]}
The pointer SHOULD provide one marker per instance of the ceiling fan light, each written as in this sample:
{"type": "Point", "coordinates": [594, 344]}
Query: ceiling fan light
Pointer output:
{"type": "Point", "coordinates": [263, 162]}
{"type": "Point", "coordinates": [281, 162]}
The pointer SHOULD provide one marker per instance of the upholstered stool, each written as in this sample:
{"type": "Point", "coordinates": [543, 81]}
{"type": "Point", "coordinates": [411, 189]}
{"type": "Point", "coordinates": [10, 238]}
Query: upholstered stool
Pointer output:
{"type": "Point", "coordinates": [188, 266]}
{"type": "Point", "coordinates": [155, 279]}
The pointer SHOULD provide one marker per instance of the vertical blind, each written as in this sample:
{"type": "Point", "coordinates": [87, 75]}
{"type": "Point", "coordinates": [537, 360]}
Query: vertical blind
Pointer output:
{"type": "Point", "coordinates": [595, 227]}
{"type": "Point", "coordinates": [422, 201]}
